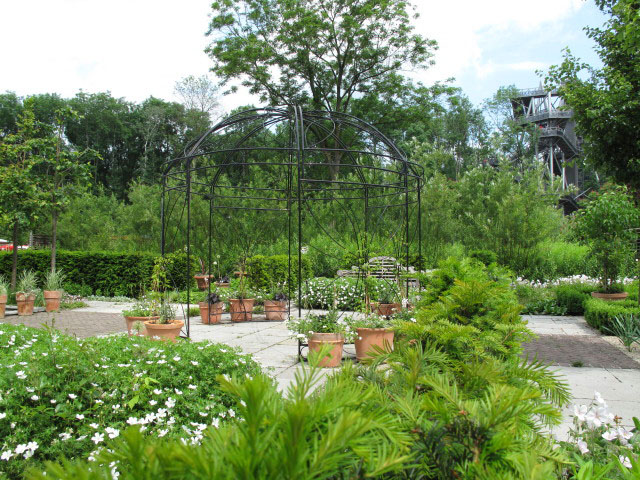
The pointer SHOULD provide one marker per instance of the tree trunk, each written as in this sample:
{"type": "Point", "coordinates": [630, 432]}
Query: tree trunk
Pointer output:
{"type": "Point", "coordinates": [14, 256]}
{"type": "Point", "coordinates": [54, 237]}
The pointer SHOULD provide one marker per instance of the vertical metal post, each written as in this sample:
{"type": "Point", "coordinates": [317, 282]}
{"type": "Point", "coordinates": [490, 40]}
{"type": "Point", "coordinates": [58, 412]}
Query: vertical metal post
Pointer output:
{"type": "Point", "coordinates": [406, 223]}
{"type": "Point", "coordinates": [162, 219]}
{"type": "Point", "coordinates": [187, 319]}
{"type": "Point", "coordinates": [421, 266]}
{"type": "Point", "coordinates": [300, 172]}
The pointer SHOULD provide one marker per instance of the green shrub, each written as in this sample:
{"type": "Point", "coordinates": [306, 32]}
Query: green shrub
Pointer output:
{"type": "Point", "coordinates": [263, 272]}
{"type": "Point", "coordinates": [572, 297]}
{"type": "Point", "coordinates": [600, 313]}
{"type": "Point", "coordinates": [101, 273]}
{"type": "Point", "coordinates": [487, 257]}
{"type": "Point", "coordinates": [61, 392]}
{"type": "Point", "coordinates": [566, 259]}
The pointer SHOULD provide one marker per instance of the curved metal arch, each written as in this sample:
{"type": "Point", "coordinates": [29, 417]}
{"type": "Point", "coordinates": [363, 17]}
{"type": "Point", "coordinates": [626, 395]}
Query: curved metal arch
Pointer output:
{"type": "Point", "coordinates": [379, 186]}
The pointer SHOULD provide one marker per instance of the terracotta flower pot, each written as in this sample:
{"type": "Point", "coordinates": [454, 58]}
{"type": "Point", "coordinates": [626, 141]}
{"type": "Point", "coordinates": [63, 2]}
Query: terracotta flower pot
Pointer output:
{"type": "Point", "coordinates": [275, 310]}
{"type": "Point", "coordinates": [369, 337]}
{"type": "Point", "coordinates": [211, 314]}
{"type": "Point", "coordinates": [131, 320]}
{"type": "Point", "coordinates": [203, 281]}
{"type": "Point", "coordinates": [3, 305]}
{"type": "Point", "coordinates": [387, 309]}
{"type": "Point", "coordinates": [241, 309]}
{"type": "Point", "coordinates": [610, 296]}
{"type": "Point", "coordinates": [335, 340]}
{"type": "Point", "coordinates": [52, 300]}
{"type": "Point", "coordinates": [167, 331]}
{"type": "Point", "coordinates": [25, 303]}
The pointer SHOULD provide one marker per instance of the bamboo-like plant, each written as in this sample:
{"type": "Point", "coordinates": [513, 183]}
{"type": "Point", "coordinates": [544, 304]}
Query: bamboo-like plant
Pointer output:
{"type": "Point", "coordinates": [4, 285]}
{"type": "Point", "coordinates": [27, 283]}
{"type": "Point", "coordinates": [54, 279]}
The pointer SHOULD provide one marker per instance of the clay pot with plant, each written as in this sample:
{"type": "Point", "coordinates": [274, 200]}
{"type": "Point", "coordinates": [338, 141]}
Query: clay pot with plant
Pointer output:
{"type": "Point", "coordinates": [223, 282]}
{"type": "Point", "coordinates": [203, 278]}
{"type": "Point", "coordinates": [607, 226]}
{"type": "Point", "coordinates": [275, 308]}
{"type": "Point", "coordinates": [166, 327]}
{"type": "Point", "coordinates": [52, 290]}
{"type": "Point", "coordinates": [321, 332]}
{"type": "Point", "coordinates": [373, 334]}
{"type": "Point", "coordinates": [143, 310]}
{"type": "Point", "coordinates": [211, 309]}
{"type": "Point", "coordinates": [4, 289]}
{"type": "Point", "coordinates": [388, 301]}
{"type": "Point", "coordinates": [26, 292]}
{"type": "Point", "coordinates": [241, 307]}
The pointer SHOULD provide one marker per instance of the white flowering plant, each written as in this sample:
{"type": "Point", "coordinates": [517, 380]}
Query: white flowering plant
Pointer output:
{"type": "Point", "coordinates": [600, 439]}
{"type": "Point", "coordinates": [330, 322]}
{"type": "Point", "coordinates": [65, 396]}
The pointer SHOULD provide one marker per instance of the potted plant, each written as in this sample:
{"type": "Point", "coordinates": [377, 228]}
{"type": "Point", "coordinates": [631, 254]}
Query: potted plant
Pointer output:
{"type": "Point", "coordinates": [166, 326]}
{"type": "Point", "coordinates": [52, 290]}
{"type": "Point", "coordinates": [241, 307]}
{"type": "Point", "coordinates": [224, 282]}
{"type": "Point", "coordinates": [203, 278]}
{"type": "Point", "coordinates": [275, 308]}
{"type": "Point", "coordinates": [142, 311]}
{"type": "Point", "coordinates": [211, 309]}
{"type": "Point", "coordinates": [388, 301]}
{"type": "Point", "coordinates": [371, 331]}
{"type": "Point", "coordinates": [4, 288]}
{"type": "Point", "coordinates": [321, 330]}
{"type": "Point", "coordinates": [26, 292]}
{"type": "Point", "coordinates": [606, 225]}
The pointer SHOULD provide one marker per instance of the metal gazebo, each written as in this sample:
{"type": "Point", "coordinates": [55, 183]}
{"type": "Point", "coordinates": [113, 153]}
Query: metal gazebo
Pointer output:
{"type": "Point", "coordinates": [286, 162]}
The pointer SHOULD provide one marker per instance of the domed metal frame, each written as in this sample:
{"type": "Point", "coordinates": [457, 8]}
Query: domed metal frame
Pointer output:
{"type": "Point", "coordinates": [325, 156]}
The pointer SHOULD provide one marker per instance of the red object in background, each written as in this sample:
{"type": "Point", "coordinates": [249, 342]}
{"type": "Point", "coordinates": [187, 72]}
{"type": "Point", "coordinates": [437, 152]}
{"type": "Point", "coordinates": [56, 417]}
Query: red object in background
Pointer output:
{"type": "Point", "coordinates": [9, 247]}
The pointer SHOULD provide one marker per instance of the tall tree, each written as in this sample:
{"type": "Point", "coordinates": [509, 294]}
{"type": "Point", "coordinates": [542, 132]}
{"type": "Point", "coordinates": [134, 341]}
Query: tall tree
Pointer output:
{"type": "Point", "coordinates": [21, 198]}
{"type": "Point", "coordinates": [199, 94]}
{"type": "Point", "coordinates": [64, 172]}
{"type": "Point", "coordinates": [606, 104]}
{"type": "Point", "coordinates": [321, 52]}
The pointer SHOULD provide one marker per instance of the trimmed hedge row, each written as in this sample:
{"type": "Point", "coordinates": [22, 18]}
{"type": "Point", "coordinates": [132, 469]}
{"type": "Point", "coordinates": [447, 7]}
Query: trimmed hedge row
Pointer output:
{"type": "Point", "coordinates": [573, 296]}
{"type": "Point", "coordinates": [599, 313]}
{"type": "Point", "coordinates": [99, 273]}
{"type": "Point", "coordinates": [264, 272]}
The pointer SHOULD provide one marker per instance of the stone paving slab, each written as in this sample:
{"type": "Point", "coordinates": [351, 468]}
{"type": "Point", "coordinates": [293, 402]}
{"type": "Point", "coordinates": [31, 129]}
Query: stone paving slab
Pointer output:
{"type": "Point", "coordinates": [74, 322]}
{"type": "Point", "coordinates": [587, 351]}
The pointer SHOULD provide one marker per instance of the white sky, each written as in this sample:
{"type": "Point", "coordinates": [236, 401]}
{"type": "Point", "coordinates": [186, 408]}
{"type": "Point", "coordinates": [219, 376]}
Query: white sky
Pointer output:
{"type": "Point", "coordinates": [139, 48]}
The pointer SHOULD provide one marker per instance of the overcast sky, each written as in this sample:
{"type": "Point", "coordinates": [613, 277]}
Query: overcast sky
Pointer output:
{"type": "Point", "coordinates": [139, 48]}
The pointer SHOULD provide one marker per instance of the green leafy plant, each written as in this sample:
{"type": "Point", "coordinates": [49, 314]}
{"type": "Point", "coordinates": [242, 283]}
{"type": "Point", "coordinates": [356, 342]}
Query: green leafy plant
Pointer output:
{"type": "Point", "coordinates": [367, 321]}
{"type": "Point", "coordinates": [54, 280]}
{"type": "Point", "coordinates": [330, 322]}
{"type": "Point", "coordinates": [145, 307]}
{"type": "Point", "coordinates": [627, 328]}
{"type": "Point", "coordinates": [166, 313]}
{"type": "Point", "coordinates": [71, 396]}
{"type": "Point", "coordinates": [572, 297]}
{"type": "Point", "coordinates": [600, 313]}
{"type": "Point", "coordinates": [4, 285]}
{"type": "Point", "coordinates": [27, 283]}
{"type": "Point", "coordinates": [606, 226]}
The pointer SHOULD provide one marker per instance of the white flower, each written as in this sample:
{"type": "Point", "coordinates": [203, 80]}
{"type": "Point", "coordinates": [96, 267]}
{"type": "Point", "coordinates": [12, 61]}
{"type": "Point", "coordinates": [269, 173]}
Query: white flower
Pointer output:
{"type": "Point", "coordinates": [79, 416]}
{"type": "Point", "coordinates": [176, 358]}
{"type": "Point", "coordinates": [132, 421]}
{"type": "Point", "coordinates": [232, 413]}
{"type": "Point", "coordinates": [20, 449]}
{"type": "Point", "coordinates": [194, 363]}
{"type": "Point", "coordinates": [33, 446]}
{"type": "Point", "coordinates": [170, 403]}
{"type": "Point", "coordinates": [162, 433]}
{"type": "Point", "coordinates": [64, 436]}
{"type": "Point", "coordinates": [94, 425]}
{"type": "Point", "coordinates": [73, 396]}
{"type": "Point", "coordinates": [53, 401]}
{"type": "Point", "coordinates": [2, 415]}
{"type": "Point", "coordinates": [97, 438]}
{"type": "Point", "coordinates": [625, 461]}
{"type": "Point", "coordinates": [192, 387]}
{"type": "Point", "coordinates": [620, 433]}
{"type": "Point", "coordinates": [599, 399]}
{"type": "Point", "coordinates": [152, 402]}
{"type": "Point", "coordinates": [157, 391]}
{"type": "Point", "coordinates": [112, 432]}
{"type": "Point", "coordinates": [178, 392]}
{"type": "Point", "coordinates": [6, 455]}
{"type": "Point", "coordinates": [582, 445]}
{"type": "Point", "coordinates": [21, 375]}
{"type": "Point", "coordinates": [580, 412]}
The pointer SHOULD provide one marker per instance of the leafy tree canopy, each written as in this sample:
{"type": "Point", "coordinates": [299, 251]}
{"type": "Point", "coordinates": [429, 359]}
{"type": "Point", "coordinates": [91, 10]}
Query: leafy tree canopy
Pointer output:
{"type": "Point", "coordinates": [606, 104]}
{"type": "Point", "coordinates": [319, 52]}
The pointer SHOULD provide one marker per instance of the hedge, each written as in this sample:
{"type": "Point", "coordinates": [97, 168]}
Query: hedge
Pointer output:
{"type": "Point", "coordinates": [99, 273]}
{"type": "Point", "coordinates": [265, 272]}
{"type": "Point", "coordinates": [573, 296]}
{"type": "Point", "coordinates": [599, 313]}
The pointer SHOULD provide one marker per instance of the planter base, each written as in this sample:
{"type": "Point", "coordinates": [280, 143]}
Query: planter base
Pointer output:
{"type": "Point", "coordinates": [25, 304]}
{"type": "Point", "coordinates": [3, 305]}
{"type": "Point", "coordinates": [610, 296]}
{"type": "Point", "coordinates": [241, 310]}
{"type": "Point", "coordinates": [168, 331]}
{"type": "Point", "coordinates": [52, 300]}
{"type": "Point", "coordinates": [275, 310]}
{"type": "Point", "coordinates": [210, 314]}
{"type": "Point", "coordinates": [368, 338]}
{"type": "Point", "coordinates": [132, 320]}
{"type": "Point", "coordinates": [335, 341]}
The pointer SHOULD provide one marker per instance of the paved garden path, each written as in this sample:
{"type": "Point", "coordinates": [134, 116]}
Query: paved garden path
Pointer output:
{"type": "Point", "coordinates": [589, 362]}
{"type": "Point", "coordinates": [586, 359]}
